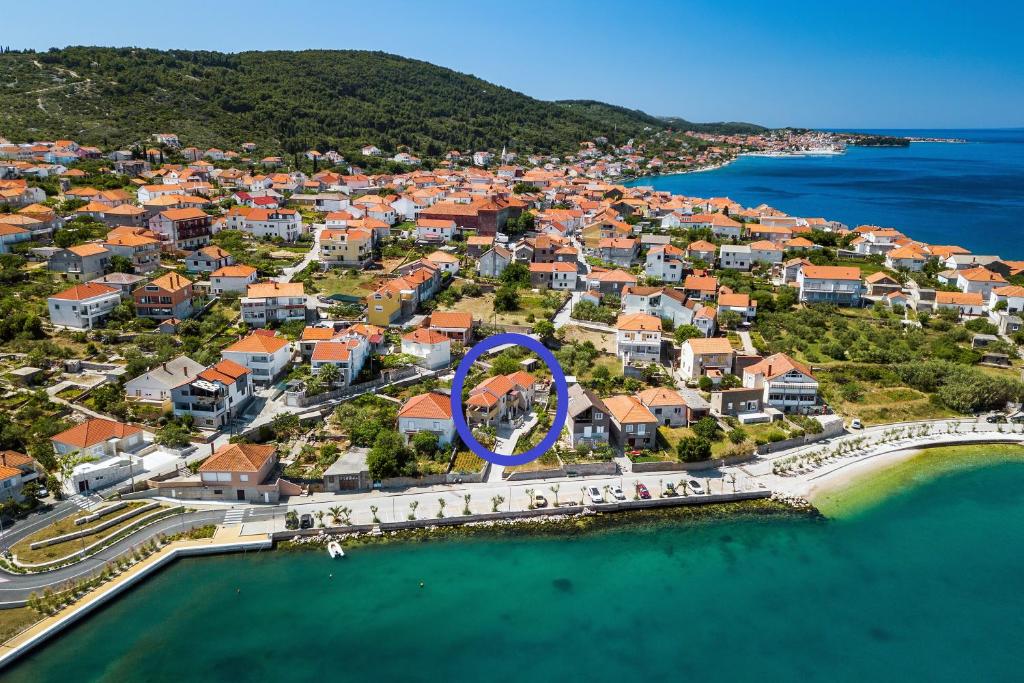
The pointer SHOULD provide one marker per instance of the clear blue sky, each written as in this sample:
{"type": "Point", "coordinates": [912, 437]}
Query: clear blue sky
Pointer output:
{"type": "Point", "coordinates": [869, 64]}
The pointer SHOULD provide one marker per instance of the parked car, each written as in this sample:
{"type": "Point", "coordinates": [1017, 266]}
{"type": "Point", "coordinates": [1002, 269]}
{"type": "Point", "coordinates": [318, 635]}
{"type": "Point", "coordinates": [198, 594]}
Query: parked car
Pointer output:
{"type": "Point", "coordinates": [617, 493]}
{"type": "Point", "coordinates": [306, 521]}
{"type": "Point", "coordinates": [695, 486]}
{"type": "Point", "coordinates": [670, 490]}
{"type": "Point", "coordinates": [641, 490]}
{"type": "Point", "coordinates": [997, 418]}
{"type": "Point", "coordinates": [595, 495]}
{"type": "Point", "coordinates": [539, 501]}
{"type": "Point", "coordinates": [855, 423]}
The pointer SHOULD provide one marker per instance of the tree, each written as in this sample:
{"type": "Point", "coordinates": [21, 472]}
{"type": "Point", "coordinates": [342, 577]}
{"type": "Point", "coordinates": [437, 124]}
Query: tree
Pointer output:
{"type": "Point", "coordinates": [544, 329]}
{"type": "Point", "coordinates": [505, 363]}
{"type": "Point", "coordinates": [329, 374]}
{"type": "Point", "coordinates": [516, 275]}
{"type": "Point", "coordinates": [730, 320]}
{"type": "Point", "coordinates": [66, 464]}
{"type": "Point", "coordinates": [121, 264]}
{"type": "Point", "coordinates": [506, 299]}
{"type": "Point", "coordinates": [737, 435]}
{"type": "Point", "coordinates": [425, 443]}
{"type": "Point", "coordinates": [388, 456]}
{"type": "Point", "coordinates": [174, 434]}
{"type": "Point", "coordinates": [706, 428]}
{"type": "Point", "coordinates": [684, 332]}
{"type": "Point", "coordinates": [693, 449]}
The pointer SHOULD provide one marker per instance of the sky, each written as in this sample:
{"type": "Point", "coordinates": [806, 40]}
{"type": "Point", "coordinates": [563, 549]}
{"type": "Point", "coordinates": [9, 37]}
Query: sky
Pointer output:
{"type": "Point", "coordinates": [833, 64]}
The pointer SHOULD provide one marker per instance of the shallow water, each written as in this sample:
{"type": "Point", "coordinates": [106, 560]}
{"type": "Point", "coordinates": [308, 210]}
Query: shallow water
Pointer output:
{"type": "Point", "coordinates": [923, 586]}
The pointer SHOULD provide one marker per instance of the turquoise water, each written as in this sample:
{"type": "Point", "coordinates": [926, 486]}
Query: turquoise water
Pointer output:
{"type": "Point", "coordinates": [968, 194]}
{"type": "Point", "coordinates": [926, 586]}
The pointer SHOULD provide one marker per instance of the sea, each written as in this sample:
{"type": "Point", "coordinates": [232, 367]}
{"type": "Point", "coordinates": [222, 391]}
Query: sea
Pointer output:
{"type": "Point", "coordinates": [968, 194]}
{"type": "Point", "coordinates": [924, 585]}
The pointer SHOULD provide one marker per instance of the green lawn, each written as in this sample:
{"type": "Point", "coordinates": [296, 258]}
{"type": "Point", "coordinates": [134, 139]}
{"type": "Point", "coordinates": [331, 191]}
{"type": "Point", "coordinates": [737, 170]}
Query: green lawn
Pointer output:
{"type": "Point", "coordinates": [65, 526]}
{"type": "Point", "coordinates": [14, 621]}
{"type": "Point", "coordinates": [346, 281]}
{"type": "Point", "coordinates": [482, 308]}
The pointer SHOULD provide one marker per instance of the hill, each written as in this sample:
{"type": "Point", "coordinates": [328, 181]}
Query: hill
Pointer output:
{"type": "Point", "coordinates": [286, 102]}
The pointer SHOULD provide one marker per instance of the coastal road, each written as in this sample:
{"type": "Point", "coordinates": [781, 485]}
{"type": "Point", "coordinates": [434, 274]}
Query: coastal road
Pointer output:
{"type": "Point", "coordinates": [15, 588]}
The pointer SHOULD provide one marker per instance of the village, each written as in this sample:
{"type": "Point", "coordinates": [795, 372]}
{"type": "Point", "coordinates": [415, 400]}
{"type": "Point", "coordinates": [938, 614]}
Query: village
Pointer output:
{"type": "Point", "coordinates": [222, 328]}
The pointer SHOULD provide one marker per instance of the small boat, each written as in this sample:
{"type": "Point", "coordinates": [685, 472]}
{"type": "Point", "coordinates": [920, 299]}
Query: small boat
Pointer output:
{"type": "Point", "coordinates": [334, 550]}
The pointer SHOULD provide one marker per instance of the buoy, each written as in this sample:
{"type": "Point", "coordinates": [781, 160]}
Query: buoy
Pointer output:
{"type": "Point", "coordinates": [421, 584]}
{"type": "Point", "coordinates": [330, 576]}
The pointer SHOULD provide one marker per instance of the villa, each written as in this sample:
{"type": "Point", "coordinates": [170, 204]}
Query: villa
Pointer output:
{"type": "Point", "coordinates": [787, 385]}
{"type": "Point", "coordinates": [431, 412]}
{"type": "Point", "coordinates": [500, 399]}
{"type": "Point", "coordinates": [638, 338]}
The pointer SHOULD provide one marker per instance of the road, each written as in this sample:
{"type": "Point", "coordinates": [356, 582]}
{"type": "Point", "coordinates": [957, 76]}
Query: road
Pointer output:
{"type": "Point", "coordinates": [288, 273]}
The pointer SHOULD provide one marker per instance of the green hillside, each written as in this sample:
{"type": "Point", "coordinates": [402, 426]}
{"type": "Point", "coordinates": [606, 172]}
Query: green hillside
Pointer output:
{"type": "Point", "coordinates": [287, 101]}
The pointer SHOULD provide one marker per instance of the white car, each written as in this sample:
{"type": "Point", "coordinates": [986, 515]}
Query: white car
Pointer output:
{"type": "Point", "coordinates": [855, 423]}
{"type": "Point", "coordinates": [617, 493]}
{"type": "Point", "coordinates": [595, 495]}
{"type": "Point", "coordinates": [695, 486]}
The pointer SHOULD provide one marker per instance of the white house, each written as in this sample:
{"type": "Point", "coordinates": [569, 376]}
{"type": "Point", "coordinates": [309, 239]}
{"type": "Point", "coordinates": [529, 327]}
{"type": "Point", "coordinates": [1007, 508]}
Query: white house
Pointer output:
{"type": "Point", "coordinates": [1013, 295]}
{"type": "Point", "coordinates": [665, 262]}
{"type": "Point", "coordinates": [266, 302]}
{"type": "Point", "coordinates": [433, 348]}
{"type": "Point", "coordinates": [235, 278]}
{"type": "Point", "coordinates": [765, 251]}
{"type": "Point", "coordinates": [285, 224]}
{"type": "Point", "coordinates": [979, 280]}
{"type": "Point", "coordinates": [435, 230]}
{"type": "Point", "coordinates": [638, 338]}
{"type": "Point", "coordinates": [155, 386]}
{"type": "Point", "coordinates": [788, 386]}
{"type": "Point", "coordinates": [427, 413]}
{"type": "Point", "coordinates": [698, 356]}
{"type": "Point", "coordinates": [263, 353]}
{"type": "Point", "coordinates": [84, 306]}
{"type": "Point", "coordinates": [839, 285]}
{"type": "Point", "coordinates": [98, 438]}
{"type": "Point", "coordinates": [735, 256]}
{"type": "Point", "coordinates": [347, 353]}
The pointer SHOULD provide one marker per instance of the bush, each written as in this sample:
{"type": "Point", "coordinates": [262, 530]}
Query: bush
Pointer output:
{"type": "Point", "coordinates": [693, 449]}
{"type": "Point", "coordinates": [706, 428]}
{"type": "Point", "coordinates": [737, 435]}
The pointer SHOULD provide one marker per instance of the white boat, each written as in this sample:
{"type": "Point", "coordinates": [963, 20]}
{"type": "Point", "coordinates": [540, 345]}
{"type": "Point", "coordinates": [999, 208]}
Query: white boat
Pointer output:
{"type": "Point", "coordinates": [334, 550]}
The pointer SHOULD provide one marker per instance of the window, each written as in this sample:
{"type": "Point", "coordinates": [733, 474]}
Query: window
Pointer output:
{"type": "Point", "coordinates": [598, 416]}
{"type": "Point", "coordinates": [243, 477]}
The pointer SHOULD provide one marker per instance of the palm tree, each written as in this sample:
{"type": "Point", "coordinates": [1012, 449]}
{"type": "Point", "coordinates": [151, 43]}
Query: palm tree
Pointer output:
{"type": "Point", "coordinates": [529, 495]}
{"type": "Point", "coordinates": [496, 501]}
{"type": "Point", "coordinates": [373, 511]}
{"type": "Point", "coordinates": [554, 488]}
{"type": "Point", "coordinates": [732, 480]}
{"type": "Point", "coordinates": [335, 513]}
{"type": "Point", "coordinates": [319, 514]}
{"type": "Point", "coordinates": [685, 486]}
{"type": "Point", "coordinates": [412, 509]}
{"type": "Point", "coordinates": [465, 508]}
{"type": "Point", "coordinates": [440, 507]}
{"type": "Point", "coordinates": [607, 492]}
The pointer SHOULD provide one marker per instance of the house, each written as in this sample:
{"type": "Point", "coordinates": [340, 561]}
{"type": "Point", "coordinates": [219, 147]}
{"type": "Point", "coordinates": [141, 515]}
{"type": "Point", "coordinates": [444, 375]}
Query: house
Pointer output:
{"type": "Point", "coordinates": [432, 348]}
{"type": "Point", "coordinates": [435, 230]}
{"type": "Point", "coordinates": [666, 263]}
{"type": "Point", "coordinates": [283, 224]}
{"type": "Point", "coordinates": [476, 245]}
{"type": "Point", "coordinates": [666, 405]}
{"type": "Point", "coordinates": [456, 325]}
{"type": "Point", "coordinates": [124, 283]}
{"type": "Point", "coordinates": [232, 279]}
{"type": "Point", "coordinates": [737, 402]}
{"type": "Point", "coordinates": [265, 303]}
{"type": "Point", "coordinates": [348, 353]}
{"type": "Point", "coordinates": [136, 246]}
{"type": "Point", "coordinates": [208, 259]}
{"type": "Point", "coordinates": [83, 307]}
{"type": "Point", "coordinates": [905, 258]}
{"type": "Point", "coordinates": [705, 319]}
{"type": "Point", "coordinates": [444, 262]}
{"type": "Point", "coordinates": [501, 398]}
{"type": "Point", "coordinates": [430, 412]}
{"type": "Point", "coordinates": [638, 338]}
{"type": "Point", "coordinates": [633, 425]}
{"type": "Point", "coordinates": [588, 419]}
{"type": "Point", "coordinates": [392, 301]}
{"type": "Point", "coordinates": [701, 287]}
{"type": "Point", "coordinates": [236, 472]}
{"type": "Point", "coordinates": [1009, 298]}
{"type": "Point", "coordinates": [554, 275]}
{"type": "Point", "coordinates": [168, 296]}
{"type": "Point", "coordinates": [98, 438]}
{"type": "Point", "coordinates": [980, 280]}
{"type": "Point", "coordinates": [494, 261]}
{"type": "Point", "coordinates": [839, 285]}
{"type": "Point", "coordinates": [665, 303]}
{"type": "Point", "coordinates": [155, 385]}
{"type": "Point", "coordinates": [738, 303]}
{"type": "Point", "coordinates": [698, 356]}
{"type": "Point", "coordinates": [965, 303]}
{"type": "Point", "coordinates": [735, 257]}
{"type": "Point", "coordinates": [881, 284]}
{"type": "Point", "coordinates": [702, 250]}
{"type": "Point", "coordinates": [16, 469]}
{"type": "Point", "coordinates": [621, 251]}
{"type": "Point", "coordinates": [215, 397]}
{"type": "Point", "coordinates": [610, 281]}
{"type": "Point", "coordinates": [352, 247]}
{"type": "Point", "coordinates": [182, 229]}
{"type": "Point", "coordinates": [765, 251]}
{"type": "Point", "coordinates": [81, 262]}
{"type": "Point", "coordinates": [265, 354]}
{"type": "Point", "coordinates": [787, 385]}
{"type": "Point", "coordinates": [311, 336]}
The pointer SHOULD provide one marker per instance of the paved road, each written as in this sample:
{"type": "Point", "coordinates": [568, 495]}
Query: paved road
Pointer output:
{"type": "Point", "coordinates": [748, 344]}
{"type": "Point", "coordinates": [288, 273]}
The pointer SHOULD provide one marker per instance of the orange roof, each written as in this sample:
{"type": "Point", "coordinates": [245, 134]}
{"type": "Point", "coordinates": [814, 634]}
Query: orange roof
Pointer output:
{"type": "Point", "coordinates": [172, 282]}
{"type": "Point", "coordinates": [330, 351]}
{"type": "Point", "coordinates": [660, 396]}
{"type": "Point", "coordinates": [259, 343]}
{"type": "Point", "coordinates": [959, 298]}
{"type": "Point", "coordinates": [317, 333]}
{"type": "Point", "coordinates": [263, 290]}
{"type": "Point", "coordinates": [15, 459]}
{"type": "Point", "coordinates": [94, 431]}
{"type": "Point", "coordinates": [239, 457]}
{"type": "Point", "coordinates": [627, 409]}
{"type": "Point", "coordinates": [225, 372]}
{"type": "Point", "coordinates": [424, 336]}
{"type": "Point", "coordinates": [234, 271]}
{"type": "Point", "coordinates": [88, 249]}
{"type": "Point", "coordinates": [701, 345]}
{"type": "Point", "coordinates": [638, 322]}
{"type": "Point", "coordinates": [777, 365]}
{"type": "Point", "coordinates": [459, 320]}
{"type": "Point", "coordinates": [737, 300]}
{"type": "Point", "coordinates": [700, 284]}
{"type": "Point", "coordinates": [980, 274]}
{"type": "Point", "coordinates": [616, 275]}
{"type": "Point", "coordinates": [831, 272]}
{"type": "Point", "coordinates": [183, 214]}
{"type": "Point", "coordinates": [84, 291]}
{"type": "Point", "coordinates": [431, 406]}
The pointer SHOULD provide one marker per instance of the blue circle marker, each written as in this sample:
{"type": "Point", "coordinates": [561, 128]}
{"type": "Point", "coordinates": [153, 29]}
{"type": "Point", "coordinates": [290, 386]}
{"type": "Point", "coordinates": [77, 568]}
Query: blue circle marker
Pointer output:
{"type": "Point", "coordinates": [561, 391]}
